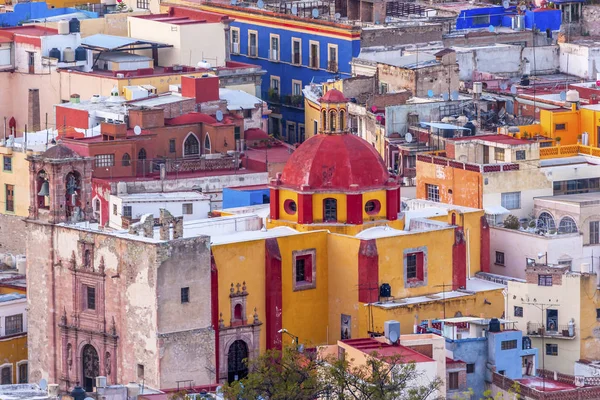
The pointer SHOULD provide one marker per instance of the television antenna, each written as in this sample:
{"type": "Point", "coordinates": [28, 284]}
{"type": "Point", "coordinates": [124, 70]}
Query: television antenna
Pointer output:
{"type": "Point", "coordinates": [137, 130]}
{"type": "Point", "coordinates": [219, 115]}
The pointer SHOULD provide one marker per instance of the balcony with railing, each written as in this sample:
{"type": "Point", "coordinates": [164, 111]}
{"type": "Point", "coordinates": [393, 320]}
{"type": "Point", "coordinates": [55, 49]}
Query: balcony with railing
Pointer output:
{"type": "Point", "coordinates": [433, 158]}
{"type": "Point", "coordinates": [288, 100]}
{"type": "Point", "coordinates": [535, 329]}
{"type": "Point", "coordinates": [332, 66]}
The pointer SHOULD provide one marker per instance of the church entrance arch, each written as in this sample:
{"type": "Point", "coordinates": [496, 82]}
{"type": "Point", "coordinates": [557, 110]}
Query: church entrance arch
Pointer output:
{"type": "Point", "coordinates": [91, 367]}
{"type": "Point", "coordinates": [236, 365]}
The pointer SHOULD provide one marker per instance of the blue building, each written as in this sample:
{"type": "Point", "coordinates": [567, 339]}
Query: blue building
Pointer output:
{"type": "Point", "coordinates": [544, 19]}
{"type": "Point", "coordinates": [40, 12]}
{"type": "Point", "coordinates": [294, 51]}
{"type": "Point", "coordinates": [245, 196]}
{"type": "Point", "coordinates": [486, 347]}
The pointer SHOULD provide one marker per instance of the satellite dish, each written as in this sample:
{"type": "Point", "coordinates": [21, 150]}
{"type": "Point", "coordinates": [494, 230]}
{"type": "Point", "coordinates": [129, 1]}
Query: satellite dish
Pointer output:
{"type": "Point", "coordinates": [523, 7]}
{"type": "Point", "coordinates": [388, 20]}
{"type": "Point", "coordinates": [137, 130]}
{"type": "Point", "coordinates": [563, 96]}
{"type": "Point", "coordinates": [491, 28]}
{"type": "Point", "coordinates": [393, 336]}
{"type": "Point", "coordinates": [88, 398]}
{"type": "Point", "coordinates": [219, 115]}
{"type": "Point", "coordinates": [454, 95]}
{"type": "Point", "coordinates": [294, 10]}
{"type": "Point", "coordinates": [260, 4]}
{"type": "Point", "coordinates": [315, 13]}
{"type": "Point", "coordinates": [43, 384]}
{"type": "Point", "coordinates": [506, 4]}
{"type": "Point", "coordinates": [503, 85]}
{"type": "Point", "coordinates": [408, 137]}
{"type": "Point", "coordinates": [233, 2]}
{"type": "Point", "coordinates": [337, 15]}
{"type": "Point", "coordinates": [445, 96]}
{"type": "Point", "coordinates": [513, 89]}
{"type": "Point", "coordinates": [430, 93]}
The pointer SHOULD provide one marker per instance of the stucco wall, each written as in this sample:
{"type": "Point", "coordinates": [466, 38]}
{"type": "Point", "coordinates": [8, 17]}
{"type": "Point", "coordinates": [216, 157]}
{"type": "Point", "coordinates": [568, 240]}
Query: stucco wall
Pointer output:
{"type": "Point", "coordinates": [471, 351]}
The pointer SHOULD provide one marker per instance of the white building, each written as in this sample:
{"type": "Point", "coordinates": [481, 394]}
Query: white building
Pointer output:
{"type": "Point", "coordinates": [131, 207]}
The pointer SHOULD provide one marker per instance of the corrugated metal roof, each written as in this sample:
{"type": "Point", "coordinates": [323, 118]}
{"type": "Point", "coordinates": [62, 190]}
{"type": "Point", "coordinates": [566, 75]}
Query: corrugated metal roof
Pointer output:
{"type": "Point", "coordinates": [104, 42]}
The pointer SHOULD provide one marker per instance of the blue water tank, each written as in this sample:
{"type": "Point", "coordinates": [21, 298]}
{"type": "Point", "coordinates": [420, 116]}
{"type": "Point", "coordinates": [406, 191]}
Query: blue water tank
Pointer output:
{"type": "Point", "coordinates": [80, 54]}
{"type": "Point", "coordinates": [54, 53]}
{"type": "Point", "coordinates": [78, 393]}
{"type": "Point", "coordinates": [74, 25]}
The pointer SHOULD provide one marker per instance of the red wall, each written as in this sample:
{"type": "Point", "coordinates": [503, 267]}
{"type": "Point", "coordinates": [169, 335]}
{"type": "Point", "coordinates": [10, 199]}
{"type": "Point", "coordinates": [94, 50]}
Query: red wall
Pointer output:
{"type": "Point", "coordinates": [202, 89]}
{"type": "Point", "coordinates": [459, 260]}
{"type": "Point", "coordinates": [484, 253]}
{"type": "Point", "coordinates": [101, 190]}
{"type": "Point", "coordinates": [368, 272]}
{"type": "Point", "coordinates": [71, 117]}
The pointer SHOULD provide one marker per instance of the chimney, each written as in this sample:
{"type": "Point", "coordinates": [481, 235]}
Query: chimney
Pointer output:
{"type": "Point", "coordinates": [204, 88]}
{"type": "Point", "coordinates": [33, 114]}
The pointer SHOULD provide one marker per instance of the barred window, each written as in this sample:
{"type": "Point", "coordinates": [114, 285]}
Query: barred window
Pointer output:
{"type": "Point", "coordinates": [518, 311]}
{"type": "Point", "coordinates": [508, 345]}
{"type": "Point", "coordinates": [105, 160]}
{"type": "Point", "coordinates": [13, 324]}
{"type": "Point", "coordinates": [143, 4]}
{"type": "Point", "coordinates": [433, 192]}
{"type": "Point", "coordinates": [511, 200]}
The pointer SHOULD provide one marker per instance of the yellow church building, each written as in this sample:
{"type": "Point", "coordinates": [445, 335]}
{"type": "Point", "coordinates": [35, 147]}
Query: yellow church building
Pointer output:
{"type": "Point", "coordinates": [341, 256]}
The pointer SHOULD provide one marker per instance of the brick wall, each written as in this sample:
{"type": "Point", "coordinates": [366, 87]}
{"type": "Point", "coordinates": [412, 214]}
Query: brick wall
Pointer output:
{"type": "Point", "coordinates": [401, 35]}
{"type": "Point", "coordinates": [591, 19]}
{"type": "Point", "coordinates": [532, 274]}
{"type": "Point", "coordinates": [12, 234]}
{"type": "Point", "coordinates": [487, 38]}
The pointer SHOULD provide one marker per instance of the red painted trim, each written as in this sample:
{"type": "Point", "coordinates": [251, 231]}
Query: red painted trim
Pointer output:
{"type": "Point", "coordinates": [354, 208]}
{"type": "Point", "coordinates": [459, 260]}
{"type": "Point", "coordinates": [392, 204]}
{"type": "Point", "coordinates": [214, 298]}
{"type": "Point", "coordinates": [368, 272]}
{"type": "Point", "coordinates": [274, 203]}
{"type": "Point", "coordinates": [305, 211]}
{"type": "Point", "coordinates": [484, 250]}
{"type": "Point", "coordinates": [34, 41]}
{"type": "Point", "coordinates": [274, 295]}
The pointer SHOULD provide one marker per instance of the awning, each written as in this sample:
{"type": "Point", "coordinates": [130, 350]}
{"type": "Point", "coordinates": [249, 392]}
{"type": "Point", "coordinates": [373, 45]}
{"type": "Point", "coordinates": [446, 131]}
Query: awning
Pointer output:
{"type": "Point", "coordinates": [496, 210]}
{"type": "Point", "coordinates": [102, 42]}
{"type": "Point", "coordinates": [441, 125]}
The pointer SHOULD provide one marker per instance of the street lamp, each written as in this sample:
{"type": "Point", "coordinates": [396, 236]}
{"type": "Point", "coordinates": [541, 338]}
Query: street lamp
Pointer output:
{"type": "Point", "coordinates": [540, 255]}
{"type": "Point", "coordinates": [295, 339]}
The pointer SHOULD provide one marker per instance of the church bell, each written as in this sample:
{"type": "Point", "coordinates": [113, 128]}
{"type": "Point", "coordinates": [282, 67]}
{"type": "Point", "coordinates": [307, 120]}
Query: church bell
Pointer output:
{"type": "Point", "coordinates": [45, 190]}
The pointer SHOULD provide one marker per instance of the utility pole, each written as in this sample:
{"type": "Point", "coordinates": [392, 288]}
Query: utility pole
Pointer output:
{"type": "Point", "coordinates": [541, 307]}
{"type": "Point", "coordinates": [444, 286]}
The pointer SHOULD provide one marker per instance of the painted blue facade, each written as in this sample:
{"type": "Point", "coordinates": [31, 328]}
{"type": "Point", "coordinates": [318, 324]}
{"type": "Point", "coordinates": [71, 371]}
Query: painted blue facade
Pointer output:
{"type": "Point", "coordinates": [472, 351]}
{"type": "Point", "coordinates": [37, 10]}
{"type": "Point", "coordinates": [508, 360]}
{"type": "Point", "coordinates": [483, 17]}
{"type": "Point", "coordinates": [286, 71]}
{"type": "Point", "coordinates": [244, 197]}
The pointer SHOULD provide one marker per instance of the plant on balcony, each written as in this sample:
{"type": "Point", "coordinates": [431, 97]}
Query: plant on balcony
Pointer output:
{"type": "Point", "coordinates": [273, 95]}
{"type": "Point", "coordinates": [287, 99]}
{"type": "Point", "coordinates": [511, 222]}
{"type": "Point", "coordinates": [557, 139]}
{"type": "Point", "coordinates": [297, 100]}
{"type": "Point", "coordinates": [525, 135]}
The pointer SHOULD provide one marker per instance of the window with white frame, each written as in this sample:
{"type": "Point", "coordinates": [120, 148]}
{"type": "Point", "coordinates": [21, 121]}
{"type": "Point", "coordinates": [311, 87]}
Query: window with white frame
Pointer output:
{"type": "Point", "coordinates": [511, 200]}
{"type": "Point", "coordinates": [296, 51]}
{"type": "Point", "coordinates": [332, 58]}
{"type": "Point", "coordinates": [314, 55]}
{"type": "Point", "coordinates": [567, 225]}
{"type": "Point", "coordinates": [433, 192]}
{"type": "Point", "coordinates": [23, 372]}
{"type": "Point", "coordinates": [274, 49]}
{"type": "Point", "coordinates": [235, 40]}
{"type": "Point", "coordinates": [594, 232]}
{"type": "Point", "coordinates": [13, 324]}
{"type": "Point", "coordinates": [296, 87]}
{"type": "Point", "coordinates": [252, 44]}
{"type": "Point", "coordinates": [105, 160]}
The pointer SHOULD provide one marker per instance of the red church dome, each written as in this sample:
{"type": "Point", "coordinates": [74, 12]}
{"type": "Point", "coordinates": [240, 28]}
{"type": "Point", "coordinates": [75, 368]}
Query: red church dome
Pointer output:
{"type": "Point", "coordinates": [335, 162]}
{"type": "Point", "coordinates": [333, 96]}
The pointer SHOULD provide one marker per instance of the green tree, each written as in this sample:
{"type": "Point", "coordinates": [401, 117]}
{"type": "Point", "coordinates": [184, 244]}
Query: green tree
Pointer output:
{"type": "Point", "coordinates": [292, 375]}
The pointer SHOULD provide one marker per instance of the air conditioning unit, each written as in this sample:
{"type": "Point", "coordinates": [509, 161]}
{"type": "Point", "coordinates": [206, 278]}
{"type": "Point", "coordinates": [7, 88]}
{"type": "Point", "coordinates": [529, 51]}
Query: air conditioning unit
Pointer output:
{"type": "Point", "coordinates": [236, 48]}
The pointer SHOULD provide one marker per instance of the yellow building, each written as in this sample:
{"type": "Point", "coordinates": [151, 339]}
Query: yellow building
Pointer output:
{"type": "Point", "coordinates": [339, 259]}
{"type": "Point", "coordinates": [14, 181]}
{"type": "Point", "coordinates": [559, 310]}
{"type": "Point", "coordinates": [13, 330]}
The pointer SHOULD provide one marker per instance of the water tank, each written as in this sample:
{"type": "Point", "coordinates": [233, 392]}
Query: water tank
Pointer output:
{"type": "Point", "coordinates": [80, 54]}
{"type": "Point", "coordinates": [203, 65]}
{"type": "Point", "coordinates": [78, 393]}
{"type": "Point", "coordinates": [585, 268]}
{"type": "Point", "coordinates": [100, 381]}
{"type": "Point", "coordinates": [494, 325]}
{"type": "Point", "coordinates": [68, 55]}
{"type": "Point", "coordinates": [74, 25]}
{"type": "Point", "coordinates": [525, 80]}
{"type": "Point", "coordinates": [573, 96]}
{"type": "Point", "coordinates": [63, 27]}
{"type": "Point", "coordinates": [54, 53]}
{"type": "Point", "coordinates": [10, 260]}
{"type": "Point", "coordinates": [133, 390]}
{"type": "Point", "coordinates": [21, 264]}
{"type": "Point", "coordinates": [477, 87]}
{"type": "Point", "coordinates": [385, 290]}
{"type": "Point", "coordinates": [571, 327]}
{"type": "Point", "coordinates": [53, 390]}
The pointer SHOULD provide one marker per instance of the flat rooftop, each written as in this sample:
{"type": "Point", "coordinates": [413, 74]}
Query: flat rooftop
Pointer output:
{"type": "Point", "coordinates": [500, 139]}
{"type": "Point", "coordinates": [583, 199]}
{"type": "Point", "coordinates": [162, 196]}
{"type": "Point", "coordinates": [23, 391]}
{"type": "Point", "coordinates": [545, 385]}
{"type": "Point", "coordinates": [29, 30]}
{"type": "Point", "coordinates": [4, 298]}
{"type": "Point", "coordinates": [370, 345]}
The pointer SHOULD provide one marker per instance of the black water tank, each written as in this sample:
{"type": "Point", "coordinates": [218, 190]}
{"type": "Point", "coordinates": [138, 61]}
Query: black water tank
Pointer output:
{"type": "Point", "coordinates": [78, 393]}
{"type": "Point", "coordinates": [54, 53]}
{"type": "Point", "coordinates": [472, 127]}
{"type": "Point", "coordinates": [525, 80]}
{"type": "Point", "coordinates": [74, 25]}
{"type": "Point", "coordinates": [385, 290]}
{"type": "Point", "coordinates": [80, 54]}
{"type": "Point", "coordinates": [494, 325]}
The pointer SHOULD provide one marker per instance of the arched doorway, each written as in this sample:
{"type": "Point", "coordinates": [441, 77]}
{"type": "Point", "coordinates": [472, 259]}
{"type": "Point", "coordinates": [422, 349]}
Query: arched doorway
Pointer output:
{"type": "Point", "coordinates": [91, 367]}
{"type": "Point", "coordinates": [236, 367]}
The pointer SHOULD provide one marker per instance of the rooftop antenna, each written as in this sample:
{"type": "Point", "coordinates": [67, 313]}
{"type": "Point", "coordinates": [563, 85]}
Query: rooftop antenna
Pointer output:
{"type": "Point", "coordinates": [219, 115]}
{"type": "Point", "coordinates": [315, 13]}
{"type": "Point", "coordinates": [137, 130]}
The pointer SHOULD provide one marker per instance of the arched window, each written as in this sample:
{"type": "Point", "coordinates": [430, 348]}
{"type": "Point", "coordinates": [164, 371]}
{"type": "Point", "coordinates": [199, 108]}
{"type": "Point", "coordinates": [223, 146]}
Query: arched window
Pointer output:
{"type": "Point", "coordinates": [567, 225]}
{"type": "Point", "coordinates": [191, 146]}
{"type": "Point", "coordinates": [342, 120]}
{"type": "Point", "coordinates": [142, 154]}
{"type": "Point", "coordinates": [330, 210]}
{"type": "Point", "coordinates": [207, 144]}
{"type": "Point", "coordinates": [126, 160]}
{"type": "Point", "coordinates": [546, 222]}
{"type": "Point", "coordinates": [324, 120]}
{"type": "Point", "coordinates": [237, 312]}
{"type": "Point", "coordinates": [87, 258]}
{"type": "Point", "coordinates": [332, 123]}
